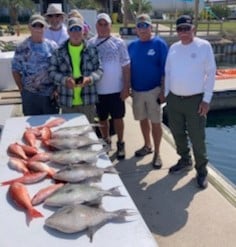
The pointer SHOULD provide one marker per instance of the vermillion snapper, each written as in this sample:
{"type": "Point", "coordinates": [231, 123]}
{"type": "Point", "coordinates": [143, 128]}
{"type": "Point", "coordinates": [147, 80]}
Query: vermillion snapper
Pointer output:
{"type": "Point", "coordinates": [19, 194]}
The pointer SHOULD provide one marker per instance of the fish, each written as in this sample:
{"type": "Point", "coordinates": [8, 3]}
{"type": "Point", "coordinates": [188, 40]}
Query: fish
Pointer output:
{"type": "Point", "coordinates": [71, 194]}
{"type": "Point", "coordinates": [18, 165]}
{"type": "Point", "coordinates": [69, 156]}
{"type": "Point", "coordinates": [77, 218]}
{"type": "Point", "coordinates": [28, 178]}
{"type": "Point", "coordinates": [43, 193]}
{"type": "Point", "coordinates": [67, 132]}
{"type": "Point", "coordinates": [79, 172]}
{"type": "Point", "coordinates": [19, 194]}
{"type": "Point", "coordinates": [29, 150]}
{"type": "Point", "coordinates": [51, 124]}
{"type": "Point", "coordinates": [71, 143]}
{"type": "Point", "coordinates": [17, 150]}
{"type": "Point", "coordinates": [29, 137]}
{"type": "Point", "coordinates": [45, 133]}
{"type": "Point", "coordinates": [41, 167]}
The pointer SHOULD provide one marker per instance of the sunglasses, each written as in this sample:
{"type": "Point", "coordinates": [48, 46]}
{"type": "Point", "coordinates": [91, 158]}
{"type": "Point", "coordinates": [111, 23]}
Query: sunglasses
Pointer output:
{"type": "Point", "coordinates": [56, 15]}
{"type": "Point", "coordinates": [75, 29]}
{"type": "Point", "coordinates": [143, 25]}
{"type": "Point", "coordinates": [37, 25]}
{"type": "Point", "coordinates": [183, 29]}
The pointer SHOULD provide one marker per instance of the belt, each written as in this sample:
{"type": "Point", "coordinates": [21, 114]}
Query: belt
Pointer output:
{"type": "Point", "coordinates": [187, 96]}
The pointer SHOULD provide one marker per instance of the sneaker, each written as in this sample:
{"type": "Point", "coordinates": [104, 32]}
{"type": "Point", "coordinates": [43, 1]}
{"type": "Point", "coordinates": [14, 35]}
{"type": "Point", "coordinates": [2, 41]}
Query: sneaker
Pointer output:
{"type": "Point", "coordinates": [202, 181]}
{"type": "Point", "coordinates": [120, 150]}
{"type": "Point", "coordinates": [156, 161]}
{"type": "Point", "coordinates": [107, 144]}
{"type": "Point", "coordinates": [143, 151]}
{"type": "Point", "coordinates": [182, 165]}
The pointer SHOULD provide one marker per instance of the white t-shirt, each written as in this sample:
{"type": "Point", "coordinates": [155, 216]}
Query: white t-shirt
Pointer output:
{"type": "Point", "coordinates": [59, 36]}
{"type": "Point", "coordinates": [190, 69]}
{"type": "Point", "coordinates": [114, 55]}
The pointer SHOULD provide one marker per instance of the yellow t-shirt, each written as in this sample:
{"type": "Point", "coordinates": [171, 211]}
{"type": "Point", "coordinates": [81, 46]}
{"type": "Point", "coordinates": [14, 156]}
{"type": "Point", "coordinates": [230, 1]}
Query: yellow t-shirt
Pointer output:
{"type": "Point", "coordinates": [74, 52]}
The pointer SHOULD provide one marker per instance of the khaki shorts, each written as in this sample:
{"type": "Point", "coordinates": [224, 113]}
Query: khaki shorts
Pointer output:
{"type": "Point", "coordinates": [145, 105]}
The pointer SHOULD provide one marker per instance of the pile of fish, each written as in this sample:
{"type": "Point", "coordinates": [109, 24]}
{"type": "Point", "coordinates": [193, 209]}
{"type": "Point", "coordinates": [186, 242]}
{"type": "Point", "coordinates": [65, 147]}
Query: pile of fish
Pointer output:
{"type": "Point", "coordinates": [66, 156]}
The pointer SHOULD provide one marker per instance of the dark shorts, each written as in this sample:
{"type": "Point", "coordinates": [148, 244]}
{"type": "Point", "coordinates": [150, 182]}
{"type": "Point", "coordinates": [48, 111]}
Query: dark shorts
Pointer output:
{"type": "Point", "coordinates": [110, 105]}
{"type": "Point", "coordinates": [34, 104]}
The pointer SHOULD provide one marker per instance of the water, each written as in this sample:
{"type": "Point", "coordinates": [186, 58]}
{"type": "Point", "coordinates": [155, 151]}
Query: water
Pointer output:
{"type": "Point", "coordinates": [221, 142]}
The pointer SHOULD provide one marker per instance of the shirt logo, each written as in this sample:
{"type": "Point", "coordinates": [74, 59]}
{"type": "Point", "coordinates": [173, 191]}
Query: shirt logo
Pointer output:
{"type": "Point", "coordinates": [151, 52]}
{"type": "Point", "coordinates": [193, 55]}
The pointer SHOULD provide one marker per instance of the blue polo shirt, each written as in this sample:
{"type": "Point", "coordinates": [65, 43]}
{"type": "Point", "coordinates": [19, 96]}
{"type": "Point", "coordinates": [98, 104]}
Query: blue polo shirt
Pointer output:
{"type": "Point", "coordinates": [147, 63]}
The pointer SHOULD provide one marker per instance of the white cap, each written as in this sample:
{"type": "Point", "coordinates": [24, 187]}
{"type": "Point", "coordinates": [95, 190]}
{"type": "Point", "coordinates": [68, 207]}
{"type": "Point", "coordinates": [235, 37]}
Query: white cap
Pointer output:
{"type": "Point", "coordinates": [105, 17]}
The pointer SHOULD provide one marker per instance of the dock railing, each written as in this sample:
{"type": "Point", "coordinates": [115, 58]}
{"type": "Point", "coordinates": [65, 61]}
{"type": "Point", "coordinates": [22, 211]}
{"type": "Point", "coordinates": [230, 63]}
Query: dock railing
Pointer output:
{"type": "Point", "coordinates": [168, 28]}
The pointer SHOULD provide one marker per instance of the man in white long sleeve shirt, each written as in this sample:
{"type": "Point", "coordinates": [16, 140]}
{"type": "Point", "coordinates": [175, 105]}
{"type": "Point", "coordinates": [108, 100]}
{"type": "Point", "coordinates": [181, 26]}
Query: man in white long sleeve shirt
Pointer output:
{"type": "Point", "coordinates": [189, 82]}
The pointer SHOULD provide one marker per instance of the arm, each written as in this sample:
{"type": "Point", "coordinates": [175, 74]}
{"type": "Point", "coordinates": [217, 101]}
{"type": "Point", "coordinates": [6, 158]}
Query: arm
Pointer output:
{"type": "Point", "coordinates": [17, 77]}
{"type": "Point", "coordinates": [210, 71]}
{"type": "Point", "coordinates": [126, 78]}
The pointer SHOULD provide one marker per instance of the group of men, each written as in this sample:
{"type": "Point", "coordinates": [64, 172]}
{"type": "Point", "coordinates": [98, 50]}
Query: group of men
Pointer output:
{"type": "Point", "coordinates": [57, 67]}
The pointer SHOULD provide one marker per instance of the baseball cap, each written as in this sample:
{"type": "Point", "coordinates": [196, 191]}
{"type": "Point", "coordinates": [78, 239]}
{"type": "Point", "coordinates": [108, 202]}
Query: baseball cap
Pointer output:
{"type": "Point", "coordinates": [144, 18]}
{"type": "Point", "coordinates": [184, 20]}
{"type": "Point", "coordinates": [75, 22]}
{"type": "Point", "coordinates": [104, 16]}
{"type": "Point", "coordinates": [36, 18]}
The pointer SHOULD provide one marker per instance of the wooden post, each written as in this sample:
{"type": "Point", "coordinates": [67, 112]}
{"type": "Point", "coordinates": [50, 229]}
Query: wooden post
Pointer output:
{"type": "Point", "coordinates": [196, 11]}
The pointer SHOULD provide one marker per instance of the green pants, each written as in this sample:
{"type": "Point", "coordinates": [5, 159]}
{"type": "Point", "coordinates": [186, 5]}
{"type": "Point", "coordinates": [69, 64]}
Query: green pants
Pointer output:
{"type": "Point", "coordinates": [188, 126]}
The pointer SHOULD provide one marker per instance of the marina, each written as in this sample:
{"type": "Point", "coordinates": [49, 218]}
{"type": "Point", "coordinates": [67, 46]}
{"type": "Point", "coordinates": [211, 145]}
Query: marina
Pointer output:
{"type": "Point", "coordinates": [172, 206]}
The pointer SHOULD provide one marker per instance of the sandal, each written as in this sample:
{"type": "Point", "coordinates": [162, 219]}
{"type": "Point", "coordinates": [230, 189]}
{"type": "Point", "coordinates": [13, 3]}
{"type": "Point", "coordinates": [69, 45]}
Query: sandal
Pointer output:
{"type": "Point", "coordinates": [143, 151]}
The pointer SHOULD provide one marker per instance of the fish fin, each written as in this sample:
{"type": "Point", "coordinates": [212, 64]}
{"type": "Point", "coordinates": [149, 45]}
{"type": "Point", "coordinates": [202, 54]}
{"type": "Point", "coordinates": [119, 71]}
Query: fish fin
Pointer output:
{"type": "Point", "coordinates": [33, 213]}
{"type": "Point", "coordinates": [115, 191]}
{"type": "Point", "coordinates": [90, 233]}
{"type": "Point", "coordinates": [111, 169]}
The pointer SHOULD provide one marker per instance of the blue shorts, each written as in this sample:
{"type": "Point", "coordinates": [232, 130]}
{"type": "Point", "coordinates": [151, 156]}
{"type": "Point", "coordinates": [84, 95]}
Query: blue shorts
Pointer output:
{"type": "Point", "coordinates": [110, 105]}
{"type": "Point", "coordinates": [33, 104]}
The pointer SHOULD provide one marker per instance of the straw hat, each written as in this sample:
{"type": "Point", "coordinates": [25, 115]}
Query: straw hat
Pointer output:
{"type": "Point", "coordinates": [54, 9]}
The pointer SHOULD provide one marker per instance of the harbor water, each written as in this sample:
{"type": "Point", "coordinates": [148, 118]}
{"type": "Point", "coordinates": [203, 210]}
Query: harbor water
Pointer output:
{"type": "Point", "coordinates": [221, 142]}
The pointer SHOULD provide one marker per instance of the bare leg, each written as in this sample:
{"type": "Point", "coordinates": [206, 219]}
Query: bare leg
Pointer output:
{"type": "Point", "coordinates": [104, 129]}
{"type": "Point", "coordinates": [119, 128]}
{"type": "Point", "coordinates": [156, 135]}
{"type": "Point", "coordinates": [145, 128]}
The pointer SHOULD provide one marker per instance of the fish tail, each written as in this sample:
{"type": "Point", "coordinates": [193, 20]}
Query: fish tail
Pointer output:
{"type": "Point", "coordinates": [8, 182]}
{"type": "Point", "coordinates": [115, 191]}
{"type": "Point", "coordinates": [120, 215]}
{"type": "Point", "coordinates": [110, 169]}
{"type": "Point", "coordinates": [33, 213]}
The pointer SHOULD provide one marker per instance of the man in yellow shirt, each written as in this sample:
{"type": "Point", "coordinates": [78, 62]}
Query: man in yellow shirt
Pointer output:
{"type": "Point", "coordinates": [75, 68]}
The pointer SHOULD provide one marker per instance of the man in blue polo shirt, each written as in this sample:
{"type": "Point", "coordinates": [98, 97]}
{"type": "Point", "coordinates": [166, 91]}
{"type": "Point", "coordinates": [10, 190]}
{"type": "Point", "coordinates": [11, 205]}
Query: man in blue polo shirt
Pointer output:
{"type": "Point", "coordinates": [148, 56]}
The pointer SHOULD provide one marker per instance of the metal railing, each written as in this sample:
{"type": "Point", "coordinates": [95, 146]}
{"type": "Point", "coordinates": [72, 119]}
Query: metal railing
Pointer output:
{"type": "Point", "coordinates": [168, 28]}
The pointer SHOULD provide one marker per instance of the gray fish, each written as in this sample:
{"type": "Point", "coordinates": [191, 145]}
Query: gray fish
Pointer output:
{"type": "Point", "coordinates": [76, 218]}
{"type": "Point", "coordinates": [69, 156]}
{"type": "Point", "coordinates": [71, 194]}
{"type": "Point", "coordinates": [68, 132]}
{"type": "Point", "coordinates": [72, 142]}
{"type": "Point", "coordinates": [79, 172]}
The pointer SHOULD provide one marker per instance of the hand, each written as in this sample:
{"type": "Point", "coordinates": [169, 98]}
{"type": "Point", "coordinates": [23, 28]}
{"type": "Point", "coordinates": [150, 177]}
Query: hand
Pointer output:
{"type": "Point", "coordinates": [203, 108]}
{"type": "Point", "coordinates": [70, 82]}
{"type": "Point", "coordinates": [125, 93]}
{"type": "Point", "coordinates": [86, 81]}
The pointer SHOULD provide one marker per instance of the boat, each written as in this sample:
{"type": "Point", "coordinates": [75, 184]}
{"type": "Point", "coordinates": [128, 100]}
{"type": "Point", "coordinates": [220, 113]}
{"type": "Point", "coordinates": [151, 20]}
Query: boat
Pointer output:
{"type": "Point", "coordinates": [222, 74]}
